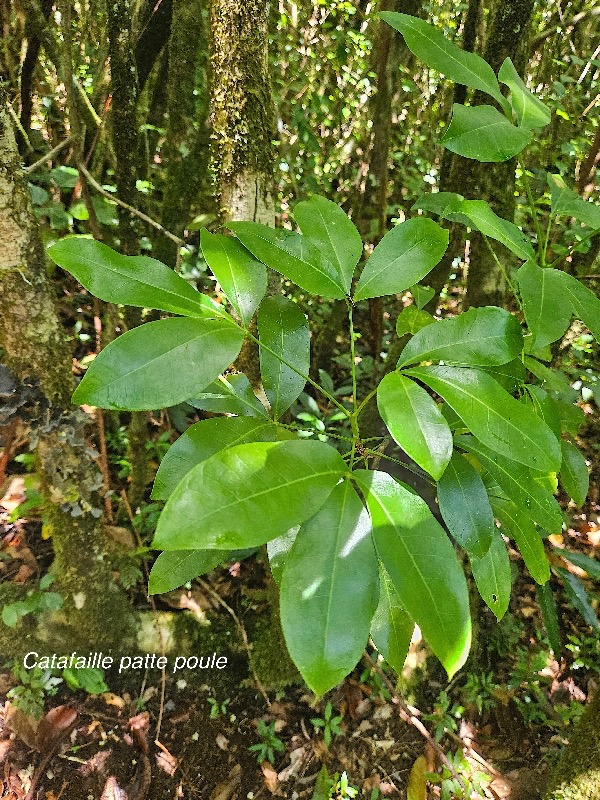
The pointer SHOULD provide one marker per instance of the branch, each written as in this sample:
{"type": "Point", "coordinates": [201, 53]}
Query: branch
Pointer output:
{"type": "Point", "coordinates": [49, 155]}
{"type": "Point", "coordinates": [541, 37]}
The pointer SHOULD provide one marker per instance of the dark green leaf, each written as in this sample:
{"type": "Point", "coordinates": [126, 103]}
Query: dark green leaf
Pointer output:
{"type": "Point", "coordinates": [330, 229]}
{"type": "Point", "coordinates": [439, 53]}
{"type": "Point", "coordinates": [203, 440]}
{"type": "Point", "coordinates": [529, 109]}
{"type": "Point", "coordinates": [585, 304]}
{"type": "Point", "coordinates": [411, 320]}
{"type": "Point", "coordinates": [391, 627]}
{"type": "Point", "coordinates": [242, 277]}
{"type": "Point", "coordinates": [574, 473]}
{"type": "Point", "coordinates": [579, 598]}
{"type": "Point", "coordinates": [445, 204]}
{"type": "Point", "coordinates": [484, 134]}
{"type": "Point", "coordinates": [493, 416]}
{"type": "Point", "coordinates": [518, 484]}
{"type": "Point", "coordinates": [172, 570]}
{"type": "Point", "coordinates": [550, 616]}
{"type": "Point", "coordinates": [422, 295]}
{"type": "Point", "coordinates": [483, 219]}
{"type": "Point", "coordinates": [510, 376]}
{"type": "Point", "coordinates": [230, 395]}
{"type": "Point", "coordinates": [544, 306]}
{"type": "Point", "coordinates": [565, 202]}
{"type": "Point", "coordinates": [422, 564]}
{"type": "Point", "coordinates": [415, 423]}
{"type": "Point", "coordinates": [465, 506]}
{"type": "Point", "coordinates": [402, 258]}
{"type": "Point", "coordinates": [283, 328]}
{"type": "Point", "coordinates": [517, 526]}
{"type": "Point", "coordinates": [544, 407]}
{"type": "Point", "coordinates": [480, 337]}
{"type": "Point", "coordinates": [293, 256]}
{"type": "Point", "coordinates": [492, 576]}
{"type": "Point", "coordinates": [329, 590]}
{"type": "Point", "coordinates": [159, 364]}
{"type": "Point", "coordinates": [87, 678]}
{"type": "Point", "coordinates": [130, 280]}
{"type": "Point", "coordinates": [248, 494]}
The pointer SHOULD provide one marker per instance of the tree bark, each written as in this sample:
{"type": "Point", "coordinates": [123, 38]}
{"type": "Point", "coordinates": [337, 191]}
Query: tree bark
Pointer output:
{"type": "Point", "coordinates": [37, 362]}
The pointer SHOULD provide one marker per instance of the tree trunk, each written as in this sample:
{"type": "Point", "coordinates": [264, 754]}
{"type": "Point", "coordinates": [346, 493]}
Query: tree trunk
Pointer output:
{"type": "Point", "coordinates": [577, 775]}
{"type": "Point", "coordinates": [37, 363]}
{"type": "Point", "coordinates": [242, 112]}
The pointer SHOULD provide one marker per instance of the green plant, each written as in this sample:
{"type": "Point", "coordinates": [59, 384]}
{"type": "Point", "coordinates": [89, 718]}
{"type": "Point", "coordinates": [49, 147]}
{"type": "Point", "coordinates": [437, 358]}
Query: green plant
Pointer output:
{"type": "Point", "coordinates": [342, 790]}
{"type": "Point", "coordinates": [36, 600]}
{"type": "Point", "coordinates": [270, 743]}
{"type": "Point", "coordinates": [444, 716]}
{"type": "Point", "coordinates": [357, 553]}
{"type": "Point", "coordinates": [216, 708]}
{"type": "Point", "coordinates": [34, 685]}
{"type": "Point", "coordinates": [329, 724]}
{"type": "Point", "coordinates": [458, 780]}
{"type": "Point", "coordinates": [479, 691]}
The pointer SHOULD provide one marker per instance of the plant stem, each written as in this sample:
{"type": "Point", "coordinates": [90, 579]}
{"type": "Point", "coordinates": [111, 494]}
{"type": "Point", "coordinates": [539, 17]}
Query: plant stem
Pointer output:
{"type": "Point", "coordinates": [500, 265]}
{"type": "Point", "coordinates": [547, 239]}
{"type": "Point", "coordinates": [354, 415]}
{"type": "Point", "coordinates": [534, 213]}
{"type": "Point", "coordinates": [574, 248]}
{"type": "Point", "coordinates": [409, 467]}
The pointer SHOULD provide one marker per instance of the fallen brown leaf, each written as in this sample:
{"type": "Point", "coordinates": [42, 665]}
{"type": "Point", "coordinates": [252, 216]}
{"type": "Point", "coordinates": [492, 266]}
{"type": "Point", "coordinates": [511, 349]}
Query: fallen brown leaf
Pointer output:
{"type": "Point", "coordinates": [270, 776]}
{"type": "Point", "coordinates": [229, 788]}
{"type": "Point", "coordinates": [55, 726]}
{"type": "Point", "coordinates": [112, 790]}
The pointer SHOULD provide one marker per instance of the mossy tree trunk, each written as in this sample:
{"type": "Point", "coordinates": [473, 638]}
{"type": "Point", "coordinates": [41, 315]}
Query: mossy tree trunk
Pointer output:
{"type": "Point", "coordinates": [35, 355]}
{"type": "Point", "coordinates": [577, 775]}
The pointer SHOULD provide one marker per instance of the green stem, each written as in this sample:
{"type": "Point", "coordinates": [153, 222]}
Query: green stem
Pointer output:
{"type": "Point", "coordinates": [409, 467]}
{"type": "Point", "coordinates": [316, 385]}
{"type": "Point", "coordinates": [354, 415]}
{"type": "Point", "coordinates": [570, 252]}
{"type": "Point", "coordinates": [534, 213]}
{"type": "Point", "coordinates": [547, 239]}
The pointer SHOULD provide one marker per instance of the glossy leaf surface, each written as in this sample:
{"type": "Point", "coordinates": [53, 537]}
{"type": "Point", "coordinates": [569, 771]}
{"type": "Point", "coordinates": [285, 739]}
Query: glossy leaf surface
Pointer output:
{"type": "Point", "coordinates": [517, 526]}
{"type": "Point", "coordinates": [230, 395]}
{"type": "Point", "coordinates": [293, 256]}
{"type": "Point", "coordinates": [574, 474]}
{"type": "Point", "coordinates": [529, 109]}
{"type": "Point", "coordinates": [278, 551]}
{"type": "Point", "coordinates": [422, 565]}
{"type": "Point", "coordinates": [547, 314]}
{"type": "Point", "coordinates": [566, 202]}
{"type": "Point", "coordinates": [493, 416]}
{"type": "Point", "coordinates": [480, 337]}
{"type": "Point", "coordinates": [492, 576]}
{"type": "Point", "coordinates": [579, 598]}
{"type": "Point", "coordinates": [245, 495]}
{"type": "Point", "coordinates": [402, 258]}
{"type": "Point", "coordinates": [329, 590]}
{"type": "Point", "coordinates": [484, 134]}
{"type": "Point", "coordinates": [415, 423]}
{"type": "Point", "coordinates": [203, 440]}
{"type": "Point", "coordinates": [172, 570]}
{"type": "Point", "coordinates": [242, 278]}
{"type": "Point", "coordinates": [130, 280]}
{"type": "Point", "coordinates": [283, 328]}
{"type": "Point", "coordinates": [330, 229]}
{"type": "Point", "coordinates": [518, 484]}
{"type": "Point", "coordinates": [159, 364]}
{"type": "Point", "coordinates": [465, 507]}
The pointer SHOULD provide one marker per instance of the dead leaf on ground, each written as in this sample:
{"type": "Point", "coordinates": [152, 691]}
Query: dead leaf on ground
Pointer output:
{"type": "Point", "coordinates": [55, 726]}
{"type": "Point", "coordinates": [298, 758]}
{"type": "Point", "coordinates": [24, 726]}
{"type": "Point", "coordinates": [228, 790]}
{"type": "Point", "coordinates": [270, 777]}
{"type": "Point", "coordinates": [166, 761]}
{"type": "Point", "coordinates": [112, 790]}
{"type": "Point", "coordinates": [222, 742]}
{"type": "Point", "coordinates": [96, 763]}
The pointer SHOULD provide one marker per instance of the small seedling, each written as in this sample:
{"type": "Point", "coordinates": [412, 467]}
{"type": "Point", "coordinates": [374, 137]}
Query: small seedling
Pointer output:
{"type": "Point", "coordinates": [330, 725]}
{"type": "Point", "coordinates": [342, 789]}
{"type": "Point", "coordinates": [216, 708]}
{"type": "Point", "coordinates": [270, 742]}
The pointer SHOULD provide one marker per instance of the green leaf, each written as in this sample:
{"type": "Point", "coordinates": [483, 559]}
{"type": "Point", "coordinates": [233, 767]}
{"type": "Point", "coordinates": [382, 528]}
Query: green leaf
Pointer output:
{"type": "Point", "coordinates": [203, 440]}
{"type": "Point", "coordinates": [492, 576]}
{"type": "Point", "coordinates": [510, 376]}
{"type": "Point", "coordinates": [480, 337]}
{"type": "Point", "coordinates": [590, 565]}
{"type": "Point", "coordinates": [579, 598]}
{"type": "Point", "coordinates": [484, 134]}
{"type": "Point", "coordinates": [445, 204]}
{"type": "Point", "coordinates": [547, 314]}
{"type": "Point", "coordinates": [283, 328]}
{"type": "Point", "coordinates": [293, 256]}
{"type": "Point", "coordinates": [230, 395]}
{"type": "Point", "coordinates": [172, 570]}
{"type": "Point", "coordinates": [585, 304]}
{"type": "Point", "coordinates": [529, 109]}
{"type": "Point", "coordinates": [330, 229]}
{"type": "Point", "coordinates": [391, 627]}
{"type": "Point", "coordinates": [89, 679]}
{"type": "Point", "coordinates": [130, 280]}
{"type": "Point", "coordinates": [242, 278]}
{"type": "Point", "coordinates": [565, 202]}
{"type": "Point", "coordinates": [574, 473]}
{"type": "Point", "coordinates": [402, 258]}
{"type": "Point", "coordinates": [278, 551]}
{"type": "Point", "coordinates": [159, 364]}
{"type": "Point", "coordinates": [422, 565]}
{"type": "Point", "coordinates": [415, 423]}
{"type": "Point", "coordinates": [465, 507]}
{"type": "Point", "coordinates": [329, 590]}
{"type": "Point", "coordinates": [248, 494]}
{"type": "Point", "coordinates": [518, 484]}
{"type": "Point", "coordinates": [571, 417]}
{"type": "Point", "coordinates": [411, 320]}
{"type": "Point", "coordinates": [422, 295]}
{"type": "Point", "coordinates": [550, 616]}
{"type": "Point", "coordinates": [544, 407]}
{"type": "Point", "coordinates": [486, 221]}
{"type": "Point", "coordinates": [516, 525]}
{"type": "Point", "coordinates": [493, 416]}
{"type": "Point", "coordinates": [431, 46]}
